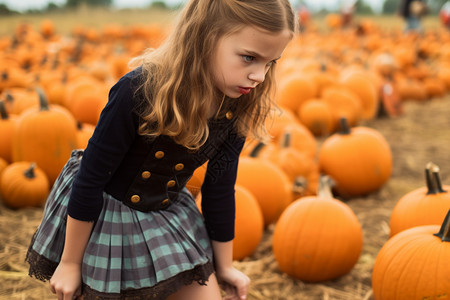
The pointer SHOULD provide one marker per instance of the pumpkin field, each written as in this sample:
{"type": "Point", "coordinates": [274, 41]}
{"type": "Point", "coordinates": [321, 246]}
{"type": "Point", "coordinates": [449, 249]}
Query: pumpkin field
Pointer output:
{"type": "Point", "coordinates": [385, 90]}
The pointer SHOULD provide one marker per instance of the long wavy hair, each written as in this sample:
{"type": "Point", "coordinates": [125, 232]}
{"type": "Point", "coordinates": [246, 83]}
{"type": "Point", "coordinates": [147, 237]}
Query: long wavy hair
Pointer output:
{"type": "Point", "coordinates": [178, 85]}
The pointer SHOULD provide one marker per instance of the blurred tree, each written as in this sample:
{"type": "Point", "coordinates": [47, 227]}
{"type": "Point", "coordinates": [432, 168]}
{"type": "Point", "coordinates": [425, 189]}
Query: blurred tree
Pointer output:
{"type": "Point", "coordinates": [75, 3]}
{"type": "Point", "coordinates": [158, 4]}
{"type": "Point", "coordinates": [5, 10]}
{"type": "Point", "coordinates": [52, 7]}
{"type": "Point", "coordinates": [390, 7]}
{"type": "Point", "coordinates": [362, 8]}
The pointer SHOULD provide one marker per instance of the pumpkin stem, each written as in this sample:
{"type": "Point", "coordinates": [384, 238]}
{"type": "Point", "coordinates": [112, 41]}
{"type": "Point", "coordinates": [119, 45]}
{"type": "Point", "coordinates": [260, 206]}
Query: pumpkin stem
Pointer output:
{"type": "Point", "coordinates": [300, 184]}
{"type": "Point", "coordinates": [286, 140]}
{"type": "Point", "coordinates": [344, 128]}
{"type": "Point", "coordinates": [3, 112]}
{"type": "Point", "coordinates": [43, 102]}
{"type": "Point", "coordinates": [433, 180]}
{"type": "Point", "coordinates": [257, 149]}
{"type": "Point", "coordinates": [444, 232]}
{"type": "Point", "coordinates": [29, 173]}
{"type": "Point", "coordinates": [5, 76]}
{"type": "Point", "coordinates": [325, 184]}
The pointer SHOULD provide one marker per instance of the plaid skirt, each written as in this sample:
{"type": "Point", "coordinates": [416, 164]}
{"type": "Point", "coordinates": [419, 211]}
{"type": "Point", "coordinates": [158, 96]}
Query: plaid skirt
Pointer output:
{"type": "Point", "coordinates": [130, 254]}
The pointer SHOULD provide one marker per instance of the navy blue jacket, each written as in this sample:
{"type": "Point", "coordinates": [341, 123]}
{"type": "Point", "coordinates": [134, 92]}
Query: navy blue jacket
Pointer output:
{"type": "Point", "coordinates": [147, 174]}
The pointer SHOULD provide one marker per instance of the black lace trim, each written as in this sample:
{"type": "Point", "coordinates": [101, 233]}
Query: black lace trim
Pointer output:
{"type": "Point", "coordinates": [40, 267]}
{"type": "Point", "coordinates": [160, 291]}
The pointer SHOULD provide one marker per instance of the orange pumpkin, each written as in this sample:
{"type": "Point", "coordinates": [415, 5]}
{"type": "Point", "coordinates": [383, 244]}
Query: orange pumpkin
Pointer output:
{"type": "Point", "coordinates": [361, 84]}
{"type": "Point", "coordinates": [295, 89]}
{"type": "Point", "coordinates": [249, 226]}
{"type": "Point", "coordinates": [422, 206]}
{"type": "Point", "coordinates": [317, 116]}
{"type": "Point", "coordinates": [317, 238]}
{"type": "Point", "coordinates": [302, 170]}
{"type": "Point", "coordinates": [84, 133]}
{"type": "Point", "coordinates": [268, 183]}
{"type": "Point", "coordinates": [414, 264]}
{"type": "Point", "coordinates": [23, 184]}
{"type": "Point", "coordinates": [300, 138]}
{"type": "Point", "coordinates": [194, 184]}
{"type": "Point", "coordinates": [6, 132]}
{"type": "Point", "coordinates": [249, 223]}
{"type": "Point", "coordinates": [45, 135]}
{"type": "Point", "coordinates": [359, 159]}
{"type": "Point", "coordinates": [3, 165]}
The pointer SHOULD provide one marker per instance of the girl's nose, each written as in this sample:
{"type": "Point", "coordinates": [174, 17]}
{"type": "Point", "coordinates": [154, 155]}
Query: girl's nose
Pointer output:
{"type": "Point", "coordinates": [258, 75]}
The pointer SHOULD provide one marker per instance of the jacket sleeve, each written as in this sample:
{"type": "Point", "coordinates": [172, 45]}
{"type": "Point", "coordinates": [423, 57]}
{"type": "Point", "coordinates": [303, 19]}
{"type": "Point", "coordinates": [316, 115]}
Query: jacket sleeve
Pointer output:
{"type": "Point", "coordinates": [218, 199]}
{"type": "Point", "coordinates": [109, 143]}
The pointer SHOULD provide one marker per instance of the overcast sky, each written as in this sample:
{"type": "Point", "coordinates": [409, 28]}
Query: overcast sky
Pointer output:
{"type": "Point", "coordinates": [22, 5]}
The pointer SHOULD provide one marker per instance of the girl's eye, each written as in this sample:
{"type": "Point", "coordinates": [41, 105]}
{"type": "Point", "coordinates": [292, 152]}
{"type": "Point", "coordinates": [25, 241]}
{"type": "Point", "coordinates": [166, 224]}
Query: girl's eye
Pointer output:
{"type": "Point", "coordinates": [248, 58]}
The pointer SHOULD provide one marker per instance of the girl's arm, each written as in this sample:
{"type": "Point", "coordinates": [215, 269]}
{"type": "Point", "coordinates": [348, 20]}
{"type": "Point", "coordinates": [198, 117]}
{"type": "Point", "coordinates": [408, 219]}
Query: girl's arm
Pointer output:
{"type": "Point", "coordinates": [66, 280]}
{"type": "Point", "coordinates": [234, 282]}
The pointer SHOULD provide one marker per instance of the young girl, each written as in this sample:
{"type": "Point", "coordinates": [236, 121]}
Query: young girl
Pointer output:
{"type": "Point", "coordinates": [120, 223]}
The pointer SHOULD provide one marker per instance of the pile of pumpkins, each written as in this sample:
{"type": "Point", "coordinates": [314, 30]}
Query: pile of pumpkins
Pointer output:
{"type": "Point", "coordinates": [53, 88]}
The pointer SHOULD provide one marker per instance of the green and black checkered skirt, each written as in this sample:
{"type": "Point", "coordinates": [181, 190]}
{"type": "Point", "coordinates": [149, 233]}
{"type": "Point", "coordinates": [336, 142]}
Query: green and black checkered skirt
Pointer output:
{"type": "Point", "coordinates": [130, 254]}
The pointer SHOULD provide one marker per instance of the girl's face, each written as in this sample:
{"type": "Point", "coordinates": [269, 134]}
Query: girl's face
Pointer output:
{"type": "Point", "coordinates": [242, 59]}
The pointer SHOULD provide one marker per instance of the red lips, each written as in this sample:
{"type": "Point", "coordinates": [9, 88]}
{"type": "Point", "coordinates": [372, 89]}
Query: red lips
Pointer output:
{"type": "Point", "coordinates": [245, 90]}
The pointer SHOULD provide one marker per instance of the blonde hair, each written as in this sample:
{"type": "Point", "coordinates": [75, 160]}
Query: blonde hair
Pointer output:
{"type": "Point", "coordinates": [178, 85]}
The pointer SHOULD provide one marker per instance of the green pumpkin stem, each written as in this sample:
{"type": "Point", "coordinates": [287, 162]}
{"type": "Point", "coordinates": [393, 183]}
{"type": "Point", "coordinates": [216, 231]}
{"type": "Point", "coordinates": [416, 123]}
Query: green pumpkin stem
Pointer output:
{"type": "Point", "coordinates": [444, 232]}
{"type": "Point", "coordinates": [29, 173]}
{"type": "Point", "coordinates": [286, 140]}
{"type": "Point", "coordinates": [257, 149]}
{"type": "Point", "coordinates": [433, 180]}
{"type": "Point", "coordinates": [43, 101]}
{"type": "Point", "coordinates": [344, 128]}
{"type": "Point", "coordinates": [3, 113]}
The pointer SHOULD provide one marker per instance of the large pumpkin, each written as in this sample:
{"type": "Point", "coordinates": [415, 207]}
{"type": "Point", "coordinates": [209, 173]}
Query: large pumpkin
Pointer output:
{"type": "Point", "coordinates": [317, 238]}
{"type": "Point", "coordinates": [423, 206]}
{"type": "Point", "coordinates": [23, 184]}
{"type": "Point", "coordinates": [46, 135]}
{"type": "Point", "coordinates": [414, 264]}
{"type": "Point", "coordinates": [359, 159]}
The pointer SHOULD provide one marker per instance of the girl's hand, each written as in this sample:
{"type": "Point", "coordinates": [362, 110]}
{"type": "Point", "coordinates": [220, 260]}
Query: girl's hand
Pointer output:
{"type": "Point", "coordinates": [66, 281]}
{"type": "Point", "coordinates": [234, 283]}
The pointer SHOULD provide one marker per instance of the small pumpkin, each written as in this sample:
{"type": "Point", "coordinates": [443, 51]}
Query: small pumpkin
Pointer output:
{"type": "Point", "coordinates": [317, 116]}
{"type": "Point", "coordinates": [317, 238]}
{"type": "Point", "coordinates": [23, 184]}
{"type": "Point", "coordinates": [414, 264]}
{"type": "Point", "coordinates": [423, 206]}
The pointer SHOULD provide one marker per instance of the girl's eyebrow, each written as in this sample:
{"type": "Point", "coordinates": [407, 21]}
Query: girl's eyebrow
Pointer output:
{"type": "Point", "coordinates": [257, 55]}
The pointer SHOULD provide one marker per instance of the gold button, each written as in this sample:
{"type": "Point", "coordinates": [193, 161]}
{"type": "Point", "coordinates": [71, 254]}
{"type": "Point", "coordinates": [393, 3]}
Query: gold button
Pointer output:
{"type": "Point", "coordinates": [159, 154]}
{"type": "Point", "coordinates": [165, 202]}
{"type": "Point", "coordinates": [171, 183]}
{"type": "Point", "coordinates": [179, 167]}
{"type": "Point", "coordinates": [135, 198]}
{"type": "Point", "coordinates": [229, 115]}
{"type": "Point", "coordinates": [146, 175]}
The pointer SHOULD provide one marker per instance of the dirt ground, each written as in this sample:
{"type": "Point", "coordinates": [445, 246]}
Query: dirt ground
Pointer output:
{"type": "Point", "coordinates": [420, 135]}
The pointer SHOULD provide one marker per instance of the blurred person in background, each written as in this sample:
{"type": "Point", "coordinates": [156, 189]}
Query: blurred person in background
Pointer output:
{"type": "Point", "coordinates": [444, 15]}
{"type": "Point", "coordinates": [412, 11]}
